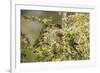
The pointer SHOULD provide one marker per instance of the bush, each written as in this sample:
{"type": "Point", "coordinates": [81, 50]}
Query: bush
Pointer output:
{"type": "Point", "coordinates": [57, 40]}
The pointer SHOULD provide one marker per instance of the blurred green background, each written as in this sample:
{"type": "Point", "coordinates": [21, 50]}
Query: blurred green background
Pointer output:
{"type": "Point", "coordinates": [54, 36]}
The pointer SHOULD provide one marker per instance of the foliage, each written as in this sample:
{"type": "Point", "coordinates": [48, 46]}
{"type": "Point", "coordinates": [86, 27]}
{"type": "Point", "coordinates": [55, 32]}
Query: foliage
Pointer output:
{"type": "Point", "coordinates": [67, 39]}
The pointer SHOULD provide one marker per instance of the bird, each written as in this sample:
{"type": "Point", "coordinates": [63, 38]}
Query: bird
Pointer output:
{"type": "Point", "coordinates": [73, 44]}
{"type": "Point", "coordinates": [57, 32]}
